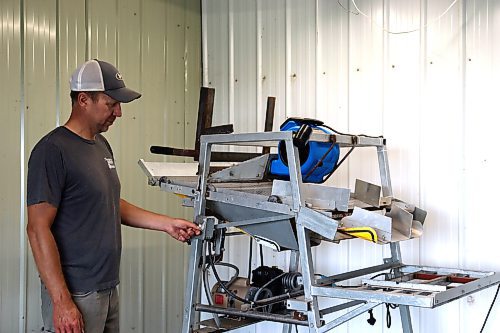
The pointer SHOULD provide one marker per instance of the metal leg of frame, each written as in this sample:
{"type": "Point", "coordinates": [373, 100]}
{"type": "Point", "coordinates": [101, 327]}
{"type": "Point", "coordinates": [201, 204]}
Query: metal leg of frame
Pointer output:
{"type": "Point", "coordinates": [396, 252]}
{"type": "Point", "coordinates": [192, 287]}
{"type": "Point", "coordinates": [385, 176]}
{"type": "Point", "coordinates": [193, 283]}
{"type": "Point", "coordinates": [348, 316]}
{"type": "Point", "coordinates": [404, 311]}
{"type": "Point", "coordinates": [308, 276]}
{"type": "Point", "coordinates": [293, 267]}
{"type": "Point", "coordinates": [385, 179]}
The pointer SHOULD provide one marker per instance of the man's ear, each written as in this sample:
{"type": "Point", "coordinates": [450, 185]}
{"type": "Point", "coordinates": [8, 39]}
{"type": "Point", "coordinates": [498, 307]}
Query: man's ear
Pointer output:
{"type": "Point", "coordinates": [83, 99]}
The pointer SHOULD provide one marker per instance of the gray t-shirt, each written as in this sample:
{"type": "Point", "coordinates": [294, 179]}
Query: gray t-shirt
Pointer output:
{"type": "Point", "coordinates": [79, 178]}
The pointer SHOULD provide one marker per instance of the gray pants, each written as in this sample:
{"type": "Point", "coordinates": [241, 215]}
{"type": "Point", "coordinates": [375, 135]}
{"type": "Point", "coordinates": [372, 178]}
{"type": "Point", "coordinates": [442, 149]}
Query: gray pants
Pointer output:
{"type": "Point", "coordinates": [99, 310]}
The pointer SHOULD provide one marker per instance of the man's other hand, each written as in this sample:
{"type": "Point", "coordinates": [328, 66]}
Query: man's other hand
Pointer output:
{"type": "Point", "coordinates": [67, 318]}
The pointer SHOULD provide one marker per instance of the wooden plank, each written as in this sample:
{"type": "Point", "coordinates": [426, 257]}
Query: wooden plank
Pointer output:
{"type": "Point", "coordinates": [205, 113]}
{"type": "Point", "coordinates": [268, 126]}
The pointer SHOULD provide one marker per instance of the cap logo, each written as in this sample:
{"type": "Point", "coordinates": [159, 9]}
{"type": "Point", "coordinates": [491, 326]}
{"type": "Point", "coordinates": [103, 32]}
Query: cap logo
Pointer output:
{"type": "Point", "coordinates": [119, 76]}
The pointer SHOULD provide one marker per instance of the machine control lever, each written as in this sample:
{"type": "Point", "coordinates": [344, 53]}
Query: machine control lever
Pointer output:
{"type": "Point", "coordinates": [207, 226]}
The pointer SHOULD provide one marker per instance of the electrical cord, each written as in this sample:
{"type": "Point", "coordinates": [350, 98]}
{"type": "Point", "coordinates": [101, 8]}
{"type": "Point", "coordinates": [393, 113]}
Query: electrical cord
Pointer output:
{"type": "Point", "coordinates": [400, 32]}
{"type": "Point", "coordinates": [229, 292]}
{"type": "Point", "coordinates": [388, 317]}
{"type": "Point", "coordinates": [206, 286]}
{"type": "Point", "coordinates": [339, 164]}
{"type": "Point", "coordinates": [491, 307]}
{"type": "Point", "coordinates": [320, 162]}
{"type": "Point", "coordinates": [340, 133]}
{"type": "Point", "coordinates": [236, 274]}
{"type": "Point", "coordinates": [221, 283]}
{"type": "Point", "coordinates": [376, 276]}
{"type": "Point", "coordinates": [346, 9]}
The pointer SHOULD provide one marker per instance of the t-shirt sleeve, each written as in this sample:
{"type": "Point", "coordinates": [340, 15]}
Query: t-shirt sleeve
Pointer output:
{"type": "Point", "coordinates": [108, 146]}
{"type": "Point", "coordinates": [46, 175]}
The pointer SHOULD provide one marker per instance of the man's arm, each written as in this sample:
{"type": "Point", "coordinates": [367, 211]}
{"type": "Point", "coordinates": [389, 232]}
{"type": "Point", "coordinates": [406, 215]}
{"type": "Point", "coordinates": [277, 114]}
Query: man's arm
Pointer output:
{"type": "Point", "coordinates": [137, 217]}
{"type": "Point", "coordinates": [66, 316]}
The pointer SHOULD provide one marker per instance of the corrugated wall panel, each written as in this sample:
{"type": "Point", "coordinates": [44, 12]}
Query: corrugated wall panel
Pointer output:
{"type": "Point", "coordinates": [272, 33]}
{"type": "Point", "coordinates": [156, 45]}
{"type": "Point", "coordinates": [11, 223]}
{"type": "Point", "coordinates": [192, 78]}
{"type": "Point", "coordinates": [41, 109]}
{"type": "Point", "coordinates": [332, 82]}
{"type": "Point", "coordinates": [402, 81]}
{"type": "Point", "coordinates": [72, 49]}
{"type": "Point", "coordinates": [481, 162]}
{"type": "Point", "coordinates": [216, 56]}
{"type": "Point", "coordinates": [422, 77]}
{"type": "Point", "coordinates": [153, 41]}
{"type": "Point", "coordinates": [442, 126]}
{"type": "Point", "coordinates": [174, 118]}
{"type": "Point", "coordinates": [270, 83]}
{"type": "Point", "coordinates": [119, 38]}
{"type": "Point", "coordinates": [301, 54]}
{"type": "Point", "coordinates": [365, 114]}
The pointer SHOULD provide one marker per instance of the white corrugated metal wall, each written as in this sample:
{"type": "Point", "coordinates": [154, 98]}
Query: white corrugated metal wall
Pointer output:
{"type": "Point", "coordinates": [431, 92]}
{"type": "Point", "coordinates": [156, 44]}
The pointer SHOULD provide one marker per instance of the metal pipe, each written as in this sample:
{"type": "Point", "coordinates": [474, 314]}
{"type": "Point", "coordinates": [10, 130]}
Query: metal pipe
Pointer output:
{"type": "Point", "coordinates": [356, 273]}
{"type": "Point", "coordinates": [250, 314]}
{"type": "Point", "coordinates": [339, 307]}
{"type": "Point", "coordinates": [279, 298]}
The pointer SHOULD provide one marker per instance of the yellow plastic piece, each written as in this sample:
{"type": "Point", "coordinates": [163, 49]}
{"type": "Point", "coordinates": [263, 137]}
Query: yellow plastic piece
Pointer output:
{"type": "Point", "coordinates": [366, 233]}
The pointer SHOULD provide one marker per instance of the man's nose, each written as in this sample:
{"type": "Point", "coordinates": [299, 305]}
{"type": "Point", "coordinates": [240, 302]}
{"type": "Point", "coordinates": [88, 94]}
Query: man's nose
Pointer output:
{"type": "Point", "coordinates": [117, 112]}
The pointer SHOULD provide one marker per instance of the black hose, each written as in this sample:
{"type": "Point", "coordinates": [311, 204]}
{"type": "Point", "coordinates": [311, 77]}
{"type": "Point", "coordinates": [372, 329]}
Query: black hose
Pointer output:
{"type": "Point", "coordinates": [222, 285]}
{"type": "Point", "coordinates": [320, 162]}
{"type": "Point", "coordinates": [236, 274]}
{"type": "Point", "coordinates": [491, 307]}
{"type": "Point", "coordinates": [339, 164]}
{"type": "Point", "coordinates": [206, 286]}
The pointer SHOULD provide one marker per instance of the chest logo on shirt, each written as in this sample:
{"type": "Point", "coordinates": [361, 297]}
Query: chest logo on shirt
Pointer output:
{"type": "Point", "coordinates": [111, 163]}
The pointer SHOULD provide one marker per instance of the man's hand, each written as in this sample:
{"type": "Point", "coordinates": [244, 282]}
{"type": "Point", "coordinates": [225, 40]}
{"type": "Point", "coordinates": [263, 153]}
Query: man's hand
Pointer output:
{"type": "Point", "coordinates": [67, 318]}
{"type": "Point", "coordinates": [181, 230]}
{"type": "Point", "coordinates": [136, 217]}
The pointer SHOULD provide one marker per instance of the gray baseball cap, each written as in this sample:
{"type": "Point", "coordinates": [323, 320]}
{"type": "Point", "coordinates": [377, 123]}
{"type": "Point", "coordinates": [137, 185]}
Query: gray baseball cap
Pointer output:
{"type": "Point", "coordinates": [97, 75]}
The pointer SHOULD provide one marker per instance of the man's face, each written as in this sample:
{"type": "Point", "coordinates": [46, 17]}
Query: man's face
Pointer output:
{"type": "Point", "coordinates": [103, 112]}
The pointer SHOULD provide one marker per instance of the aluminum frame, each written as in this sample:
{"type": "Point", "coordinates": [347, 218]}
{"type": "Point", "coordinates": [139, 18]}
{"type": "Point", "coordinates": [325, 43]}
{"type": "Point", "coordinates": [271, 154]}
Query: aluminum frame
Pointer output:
{"type": "Point", "coordinates": [365, 297]}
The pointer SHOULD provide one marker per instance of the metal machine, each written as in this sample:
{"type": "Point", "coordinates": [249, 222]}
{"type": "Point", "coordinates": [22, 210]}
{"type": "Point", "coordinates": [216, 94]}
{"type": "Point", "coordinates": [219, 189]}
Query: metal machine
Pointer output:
{"type": "Point", "coordinates": [285, 212]}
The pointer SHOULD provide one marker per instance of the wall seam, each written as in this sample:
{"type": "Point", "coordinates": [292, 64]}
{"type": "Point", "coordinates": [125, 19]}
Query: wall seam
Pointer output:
{"type": "Point", "coordinates": [22, 235]}
{"type": "Point", "coordinates": [462, 205]}
{"type": "Point", "coordinates": [231, 62]}
{"type": "Point", "coordinates": [288, 60]}
{"type": "Point", "coordinates": [204, 45]}
{"type": "Point", "coordinates": [87, 30]}
{"type": "Point", "coordinates": [423, 76]}
{"type": "Point", "coordinates": [58, 64]}
{"type": "Point", "coordinates": [142, 252]}
{"type": "Point", "coordinates": [259, 81]}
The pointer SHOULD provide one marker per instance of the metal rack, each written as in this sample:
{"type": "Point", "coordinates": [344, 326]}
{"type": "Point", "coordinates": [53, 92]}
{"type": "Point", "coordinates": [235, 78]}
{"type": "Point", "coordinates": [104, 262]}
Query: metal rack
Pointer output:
{"type": "Point", "coordinates": [241, 195]}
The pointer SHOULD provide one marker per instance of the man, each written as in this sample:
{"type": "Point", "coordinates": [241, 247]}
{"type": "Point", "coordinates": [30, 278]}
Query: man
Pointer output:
{"type": "Point", "coordinates": [75, 210]}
